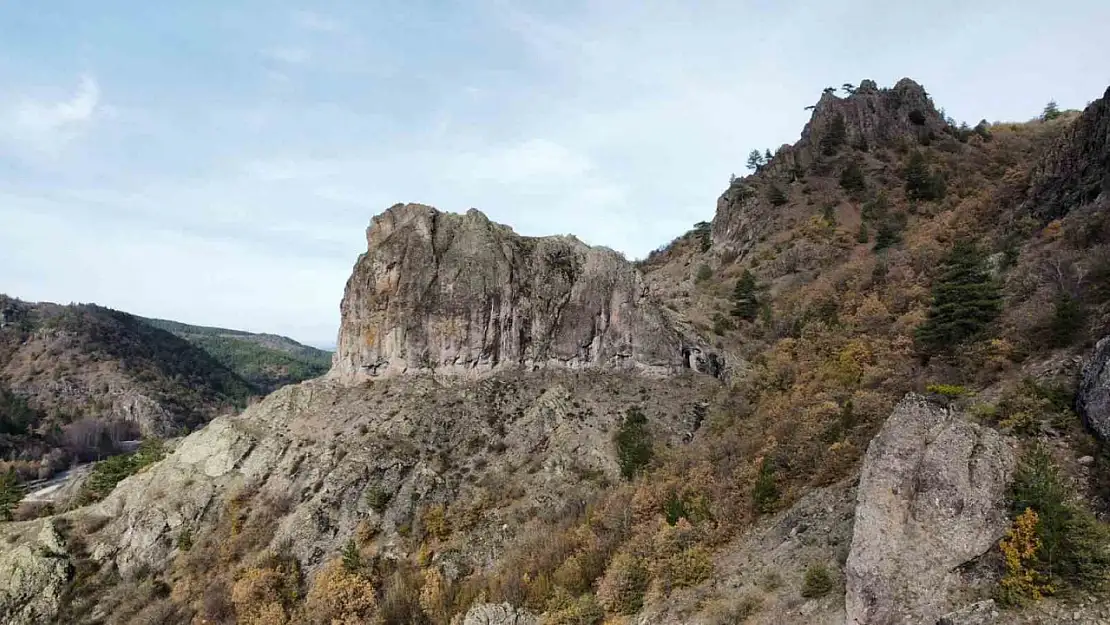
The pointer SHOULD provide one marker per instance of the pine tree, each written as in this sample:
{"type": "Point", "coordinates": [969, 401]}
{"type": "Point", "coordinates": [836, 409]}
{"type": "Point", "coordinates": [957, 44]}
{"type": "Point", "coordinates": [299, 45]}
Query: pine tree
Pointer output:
{"type": "Point", "coordinates": [744, 298]}
{"type": "Point", "coordinates": [1051, 111]}
{"type": "Point", "coordinates": [965, 300]}
{"type": "Point", "coordinates": [352, 559]}
{"type": "Point", "coordinates": [755, 160]}
{"type": "Point", "coordinates": [852, 179]}
{"type": "Point", "coordinates": [921, 183]}
{"type": "Point", "coordinates": [776, 196]}
{"type": "Point", "coordinates": [835, 136]}
{"type": "Point", "coordinates": [11, 493]}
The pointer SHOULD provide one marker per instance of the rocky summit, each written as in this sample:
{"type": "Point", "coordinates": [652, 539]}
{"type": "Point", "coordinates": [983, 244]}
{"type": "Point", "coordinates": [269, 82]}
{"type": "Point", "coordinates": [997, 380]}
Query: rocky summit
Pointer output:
{"type": "Point", "coordinates": [871, 391]}
{"type": "Point", "coordinates": [459, 294]}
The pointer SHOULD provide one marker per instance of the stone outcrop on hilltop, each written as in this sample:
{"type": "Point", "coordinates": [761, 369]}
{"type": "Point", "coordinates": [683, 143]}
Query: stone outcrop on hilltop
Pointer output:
{"type": "Point", "coordinates": [1076, 170]}
{"type": "Point", "coordinates": [460, 294]}
{"type": "Point", "coordinates": [868, 118]}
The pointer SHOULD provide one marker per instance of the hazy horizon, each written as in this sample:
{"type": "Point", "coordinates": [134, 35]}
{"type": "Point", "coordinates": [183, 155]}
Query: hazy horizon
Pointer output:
{"type": "Point", "coordinates": [218, 163]}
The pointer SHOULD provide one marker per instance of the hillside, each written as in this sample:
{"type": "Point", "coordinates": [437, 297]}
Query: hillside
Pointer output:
{"type": "Point", "coordinates": [266, 361]}
{"type": "Point", "coordinates": [870, 391]}
{"type": "Point", "coordinates": [77, 380]}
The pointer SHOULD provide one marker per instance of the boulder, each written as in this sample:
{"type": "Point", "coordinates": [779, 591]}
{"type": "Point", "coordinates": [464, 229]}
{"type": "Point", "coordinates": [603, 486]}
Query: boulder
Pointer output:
{"type": "Point", "coordinates": [498, 614]}
{"type": "Point", "coordinates": [932, 496]}
{"type": "Point", "coordinates": [33, 577]}
{"type": "Point", "coordinates": [1092, 402]}
{"type": "Point", "coordinates": [457, 294]}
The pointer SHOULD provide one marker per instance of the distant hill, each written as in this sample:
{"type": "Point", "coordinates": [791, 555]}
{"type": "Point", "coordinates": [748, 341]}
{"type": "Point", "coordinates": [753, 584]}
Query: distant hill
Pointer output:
{"type": "Point", "coordinates": [77, 380]}
{"type": "Point", "coordinates": [267, 361]}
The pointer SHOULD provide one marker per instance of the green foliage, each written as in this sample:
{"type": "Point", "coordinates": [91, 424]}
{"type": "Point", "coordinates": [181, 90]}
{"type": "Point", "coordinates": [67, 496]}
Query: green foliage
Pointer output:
{"type": "Point", "coordinates": [352, 559]}
{"type": "Point", "coordinates": [704, 234]}
{"type": "Point", "coordinates": [965, 301]}
{"type": "Point", "coordinates": [16, 417]}
{"type": "Point", "coordinates": [922, 183]}
{"type": "Point", "coordinates": [1074, 545]}
{"type": "Point", "coordinates": [11, 493]}
{"type": "Point", "coordinates": [835, 136]}
{"type": "Point", "coordinates": [1068, 318]}
{"type": "Point", "coordinates": [564, 609]}
{"type": "Point", "coordinates": [756, 160]}
{"type": "Point", "coordinates": [185, 539]}
{"type": "Point", "coordinates": [1051, 111]}
{"type": "Point", "coordinates": [949, 391]}
{"type": "Point", "coordinates": [674, 509]}
{"type": "Point", "coordinates": [745, 302]}
{"type": "Point", "coordinates": [633, 441]}
{"type": "Point", "coordinates": [378, 499]}
{"type": "Point", "coordinates": [852, 179]}
{"type": "Point", "coordinates": [704, 273]}
{"type": "Point", "coordinates": [107, 473]}
{"type": "Point", "coordinates": [765, 494]}
{"type": "Point", "coordinates": [863, 235]}
{"type": "Point", "coordinates": [818, 582]}
{"type": "Point", "coordinates": [776, 196]}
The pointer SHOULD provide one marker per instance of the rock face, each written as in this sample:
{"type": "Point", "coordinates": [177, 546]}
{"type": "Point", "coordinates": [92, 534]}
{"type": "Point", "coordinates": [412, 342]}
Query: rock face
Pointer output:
{"type": "Point", "coordinates": [459, 294]}
{"type": "Point", "coordinates": [1093, 399]}
{"type": "Point", "coordinates": [494, 614]}
{"type": "Point", "coordinates": [931, 497]}
{"type": "Point", "coordinates": [870, 117]}
{"type": "Point", "coordinates": [32, 579]}
{"type": "Point", "coordinates": [1076, 170]}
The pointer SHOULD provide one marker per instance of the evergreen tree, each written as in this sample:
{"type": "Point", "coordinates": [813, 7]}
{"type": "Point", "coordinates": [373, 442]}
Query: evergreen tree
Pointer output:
{"type": "Point", "coordinates": [776, 196]}
{"type": "Point", "coordinates": [1051, 111]}
{"type": "Point", "coordinates": [352, 559]}
{"type": "Point", "coordinates": [852, 179]}
{"type": "Point", "coordinates": [765, 494]}
{"type": "Point", "coordinates": [755, 160]}
{"type": "Point", "coordinates": [835, 136]}
{"type": "Point", "coordinates": [921, 183]}
{"type": "Point", "coordinates": [965, 300]}
{"type": "Point", "coordinates": [11, 493]}
{"type": "Point", "coordinates": [744, 297]}
{"type": "Point", "coordinates": [767, 156]}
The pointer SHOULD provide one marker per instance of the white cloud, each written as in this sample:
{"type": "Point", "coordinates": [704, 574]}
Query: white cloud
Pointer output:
{"type": "Point", "coordinates": [46, 127]}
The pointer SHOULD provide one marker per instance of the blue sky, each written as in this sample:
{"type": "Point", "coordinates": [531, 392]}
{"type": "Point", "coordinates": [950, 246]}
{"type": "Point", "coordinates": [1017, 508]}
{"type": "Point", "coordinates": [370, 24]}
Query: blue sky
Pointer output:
{"type": "Point", "coordinates": [218, 162]}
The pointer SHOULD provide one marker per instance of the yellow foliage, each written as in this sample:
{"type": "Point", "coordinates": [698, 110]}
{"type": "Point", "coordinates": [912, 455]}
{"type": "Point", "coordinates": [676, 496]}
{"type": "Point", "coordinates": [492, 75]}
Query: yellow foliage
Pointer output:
{"type": "Point", "coordinates": [339, 597]}
{"type": "Point", "coordinates": [261, 594]}
{"type": "Point", "coordinates": [435, 523]}
{"type": "Point", "coordinates": [1019, 548]}
{"type": "Point", "coordinates": [434, 598]}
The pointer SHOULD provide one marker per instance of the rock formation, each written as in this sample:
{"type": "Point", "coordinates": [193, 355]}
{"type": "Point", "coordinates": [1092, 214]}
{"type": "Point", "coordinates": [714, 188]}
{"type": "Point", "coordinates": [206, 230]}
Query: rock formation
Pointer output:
{"type": "Point", "coordinates": [1076, 170]}
{"type": "Point", "coordinates": [931, 497]}
{"type": "Point", "coordinates": [1093, 399]}
{"type": "Point", "coordinates": [460, 294]}
{"type": "Point", "coordinates": [32, 579]}
{"type": "Point", "coordinates": [866, 119]}
{"type": "Point", "coordinates": [497, 614]}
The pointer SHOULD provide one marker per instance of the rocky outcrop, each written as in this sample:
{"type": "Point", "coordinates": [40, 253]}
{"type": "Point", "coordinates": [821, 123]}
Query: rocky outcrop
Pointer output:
{"type": "Point", "coordinates": [1092, 402]}
{"type": "Point", "coordinates": [33, 577]}
{"type": "Point", "coordinates": [498, 614]}
{"type": "Point", "coordinates": [931, 497]}
{"type": "Point", "coordinates": [1075, 171]}
{"type": "Point", "coordinates": [866, 119]}
{"type": "Point", "coordinates": [460, 294]}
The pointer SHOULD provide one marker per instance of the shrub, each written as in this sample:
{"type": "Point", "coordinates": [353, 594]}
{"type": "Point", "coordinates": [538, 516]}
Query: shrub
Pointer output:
{"type": "Point", "coordinates": [106, 474]}
{"type": "Point", "coordinates": [852, 179]}
{"type": "Point", "coordinates": [1074, 546]}
{"type": "Point", "coordinates": [689, 567]}
{"type": "Point", "coordinates": [11, 493]}
{"type": "Point", "coordinates": [704, 273]}
{"type": "Point", "coordinates": [817, 582]}
{"type": "Point", "coordinates": [1019, 548]}
{"type": "Point", "coordinates": [765, 494]}
{"type": "Point", "coordinates": [1068, 318]}
{"type": "Point", "coordinates": [266, 593]}
{"type": "Point", "coordinates": [948, 391]}
{"type": "Point", "coordinates": [922, 183]}
{"type": "Point", "coordinates": [621, 589]}
{"type": "Point", "coordinates": [776, 196]}
{"type": "Point", "coordinates": [339, 597]}
{"type": "Point", "coordinates": [378, 499]}
{"type": "Point", "coordinates": [633, 441]}
{"type": "Point", "coordinates": [435, 523]}
{"type": "Point", "coordinates": [563, 609]}
{"type": "Point", "coordinates": [732, 612]}
{"type": "Point", "coordinates": [863, 235]}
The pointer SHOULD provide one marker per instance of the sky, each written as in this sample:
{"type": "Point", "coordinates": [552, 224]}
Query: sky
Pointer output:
{"type": "Point", "coordinates": [217, 162]}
